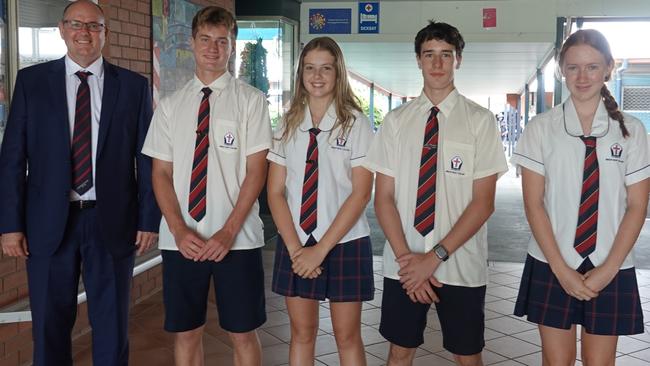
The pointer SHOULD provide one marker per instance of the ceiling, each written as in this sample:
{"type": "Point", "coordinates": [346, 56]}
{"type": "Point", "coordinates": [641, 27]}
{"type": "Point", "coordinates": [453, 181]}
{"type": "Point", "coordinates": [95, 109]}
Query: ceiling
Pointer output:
{"type": "Point", "coordinates": [487, 68]}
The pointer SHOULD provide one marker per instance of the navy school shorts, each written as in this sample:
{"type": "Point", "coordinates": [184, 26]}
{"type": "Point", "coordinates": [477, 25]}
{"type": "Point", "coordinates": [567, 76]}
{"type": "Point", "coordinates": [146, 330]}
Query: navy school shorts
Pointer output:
{"type": "Point", "coordinates": [615, 311]}
{"type": "Point", "coordinates": [460, 311]}
{"type": "Point", "coordinates": [238, 287]}
{"type": "Point", "coordinates": [347, 273]}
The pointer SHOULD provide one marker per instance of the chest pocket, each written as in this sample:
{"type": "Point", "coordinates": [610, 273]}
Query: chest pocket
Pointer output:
{"type": "Point", "coordinates": [457, 160]}
{"type": "Point", "coordinates": [226, 136]}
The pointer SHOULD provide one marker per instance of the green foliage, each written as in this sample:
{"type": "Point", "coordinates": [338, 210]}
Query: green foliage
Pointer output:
{"type": "Point", "coordinates": [275, 120]}
{"type": "Point", "coordinates": [378, 113]}
{"type": "Point", "coordinates": [253, 66]}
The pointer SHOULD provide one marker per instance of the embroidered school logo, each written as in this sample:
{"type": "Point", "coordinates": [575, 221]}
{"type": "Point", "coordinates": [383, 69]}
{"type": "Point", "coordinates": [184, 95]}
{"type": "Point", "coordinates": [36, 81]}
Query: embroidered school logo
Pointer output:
{"type": "Point", "coordinates": [228, 139]}
{"type": "Point", "coordinates": [341, 141]}
{"type": "Point", "coordinates": [456, 163]}
{"type": "Point", "coordinates": [616, 150]}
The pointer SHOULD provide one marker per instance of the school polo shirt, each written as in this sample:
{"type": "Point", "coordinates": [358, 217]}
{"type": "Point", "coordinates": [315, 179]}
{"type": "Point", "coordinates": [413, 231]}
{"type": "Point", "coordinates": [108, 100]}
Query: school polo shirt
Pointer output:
{"type": "Point", "coordinates": [239, 126]}
{"type": "Point", "coordinates": [338, 152]}
{"type": "Point", "coordinates": [550, 146]}
{"type": "Point", "coordinates": [469, 148]}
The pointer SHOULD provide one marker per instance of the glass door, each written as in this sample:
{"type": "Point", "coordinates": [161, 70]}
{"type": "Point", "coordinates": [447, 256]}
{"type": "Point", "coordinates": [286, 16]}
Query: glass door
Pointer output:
{"type": "Point", "coordinates": [265, 57]}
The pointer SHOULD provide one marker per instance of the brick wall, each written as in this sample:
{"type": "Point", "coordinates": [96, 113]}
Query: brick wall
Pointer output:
{"type": "Point", "coordinates": [129, 37]}
{"type": "Point", "coordinates": [129, 46]}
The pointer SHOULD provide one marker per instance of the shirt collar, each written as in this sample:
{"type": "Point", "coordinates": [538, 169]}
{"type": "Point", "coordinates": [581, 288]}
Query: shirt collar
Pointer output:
{"type": "Point", "coordinates": [97, 67]}
{"type": "Point", "coordinates": [446, 106]}
{"type": "Point", "coordinates": [599, 127]}
{"type": "Point", "coordinates": [217, 85]}
{"type": "Point", "coordinates": [326, 124]}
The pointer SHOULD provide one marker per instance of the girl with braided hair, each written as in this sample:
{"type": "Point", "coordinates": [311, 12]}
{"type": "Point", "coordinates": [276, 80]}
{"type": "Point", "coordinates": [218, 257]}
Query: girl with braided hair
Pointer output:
{"type": "Point", "coordinates": [585, 167]}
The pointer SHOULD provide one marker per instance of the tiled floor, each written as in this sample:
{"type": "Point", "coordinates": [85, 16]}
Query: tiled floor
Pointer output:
{"type": "Point", "coordinates": [509, 340]}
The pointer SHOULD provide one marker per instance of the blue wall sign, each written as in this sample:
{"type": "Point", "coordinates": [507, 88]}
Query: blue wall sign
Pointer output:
{"type": "Point", "coordinates": [368, 17]}
{"type": "Point", "coordinates": [329, 21]}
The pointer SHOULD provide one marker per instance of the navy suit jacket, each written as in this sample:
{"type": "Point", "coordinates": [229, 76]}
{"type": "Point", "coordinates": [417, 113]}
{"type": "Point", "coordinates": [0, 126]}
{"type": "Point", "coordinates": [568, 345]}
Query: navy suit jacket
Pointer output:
{"type": "Point", "coordinates": [35, 160]}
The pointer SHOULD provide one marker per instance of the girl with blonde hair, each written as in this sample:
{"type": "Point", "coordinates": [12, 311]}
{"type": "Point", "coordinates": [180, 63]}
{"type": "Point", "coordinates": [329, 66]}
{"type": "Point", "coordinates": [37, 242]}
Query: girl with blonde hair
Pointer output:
{"type": "Point", "coordinates": [317, 192]}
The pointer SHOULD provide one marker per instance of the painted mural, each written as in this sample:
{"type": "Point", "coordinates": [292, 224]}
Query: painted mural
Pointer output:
{"type": "Point", "coordinates": [172, 56]}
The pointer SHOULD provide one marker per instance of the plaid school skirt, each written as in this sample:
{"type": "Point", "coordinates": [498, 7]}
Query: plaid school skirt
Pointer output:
{"type": "Point", "coordinates": [346, 273]}
{"type": "Point", "coordinates": [615, 311]}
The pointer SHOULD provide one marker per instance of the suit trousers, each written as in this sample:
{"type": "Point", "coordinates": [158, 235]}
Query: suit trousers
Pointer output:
{"type": "Point", "coordinates": [53, 287]}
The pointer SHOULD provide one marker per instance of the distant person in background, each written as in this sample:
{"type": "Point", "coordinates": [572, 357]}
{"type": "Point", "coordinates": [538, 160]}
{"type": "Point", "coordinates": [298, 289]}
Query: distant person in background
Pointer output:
{"type": "Point", "coordinates": [437, 160]}
{"type": "Point", "coordinates": [585, 169]}
{"type": "Point", "coordinates": [77, 124]}
{"type": "Point", "coordinates": [318, 192]}
{"type": "Point", "coordinates": [209, 142]}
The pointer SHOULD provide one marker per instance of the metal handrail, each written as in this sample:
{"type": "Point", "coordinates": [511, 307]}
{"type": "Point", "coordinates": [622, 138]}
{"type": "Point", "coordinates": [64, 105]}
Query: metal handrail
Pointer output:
{"type": "Point", "coordinates": [26, 316]}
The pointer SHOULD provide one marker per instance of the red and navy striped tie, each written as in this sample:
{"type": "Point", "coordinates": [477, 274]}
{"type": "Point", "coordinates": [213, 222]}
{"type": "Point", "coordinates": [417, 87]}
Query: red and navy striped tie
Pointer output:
{"type": "Point", "coordinates": [308, 206]}
{"type": "Point", "coordinates": [82, 163]}
{"type": "Point", "coordinates": [585, 240]}
{"type": "Point", "coordinates": [425, 209]}
{"type": "Point", "coordinates": [199, 178]}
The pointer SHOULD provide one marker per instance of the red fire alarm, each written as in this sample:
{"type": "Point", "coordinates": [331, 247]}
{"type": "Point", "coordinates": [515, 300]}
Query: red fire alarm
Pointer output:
{"type": "Point", "coordinates": [489, 18]}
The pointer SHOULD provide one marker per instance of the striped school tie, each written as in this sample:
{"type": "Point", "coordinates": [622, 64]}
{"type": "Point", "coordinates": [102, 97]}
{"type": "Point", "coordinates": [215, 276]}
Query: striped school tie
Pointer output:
{"type": "Point", "coordinates": [585, 240]}
{"type": "Point", "coordinates": [82, 162]}
{"type": "Point", "coordinates": [308, 212]}
{"type": "Point", "coordinates": [425, 209]}
{"type": "Point", "coordinates": [199, 178]}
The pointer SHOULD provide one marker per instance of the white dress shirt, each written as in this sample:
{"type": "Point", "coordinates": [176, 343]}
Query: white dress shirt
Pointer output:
{"type": "Point", "coordinates": [550, 146]}
{"type": "Point", "coordinates": [469, 148]}
{"type": "Point", "coordinates": [239, 126]}
{"type": "Point", "coordinates": [338, 153]}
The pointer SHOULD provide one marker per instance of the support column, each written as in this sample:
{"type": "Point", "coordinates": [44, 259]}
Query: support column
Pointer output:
{"type": "Point", "coordinates": [371, 105]}
{"type": "Point", "coordinates": [526, 103]}
{"type": "Point", "coordinates": [559, 39]}
{"type": "Point", "coordinates": [540, 92]}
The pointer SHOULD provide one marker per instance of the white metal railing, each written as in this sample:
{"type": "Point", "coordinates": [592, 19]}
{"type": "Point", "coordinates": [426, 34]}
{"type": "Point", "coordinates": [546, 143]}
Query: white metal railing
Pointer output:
{"type": "Point", "coordinates": [26, 316]}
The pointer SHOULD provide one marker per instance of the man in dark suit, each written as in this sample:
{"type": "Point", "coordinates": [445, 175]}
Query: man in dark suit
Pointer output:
{"type": "Point", "coordinates": [75, 191]}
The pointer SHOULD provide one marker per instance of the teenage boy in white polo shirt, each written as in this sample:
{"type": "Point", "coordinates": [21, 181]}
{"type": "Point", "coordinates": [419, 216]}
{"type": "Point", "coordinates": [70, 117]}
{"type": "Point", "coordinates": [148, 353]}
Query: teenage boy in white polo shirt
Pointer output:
{"type": "Point", "coordinates": [209, 142]}
{"type": "Point", "coordinates": [437, 160]}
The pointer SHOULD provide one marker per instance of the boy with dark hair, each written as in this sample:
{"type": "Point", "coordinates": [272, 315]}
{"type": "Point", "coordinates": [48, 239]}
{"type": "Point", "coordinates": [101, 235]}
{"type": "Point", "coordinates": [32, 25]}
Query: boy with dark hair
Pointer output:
{"type": "Point", "coordinates": [437, 159]}
{"type": "Point", "coordinates": [209, 142]}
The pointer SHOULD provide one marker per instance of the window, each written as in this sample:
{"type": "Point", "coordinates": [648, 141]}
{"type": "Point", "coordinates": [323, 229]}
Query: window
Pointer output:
{"type": "Point", "coordinates": [38, 33]}
{"type": "Point", "coordinates": [276, 39]}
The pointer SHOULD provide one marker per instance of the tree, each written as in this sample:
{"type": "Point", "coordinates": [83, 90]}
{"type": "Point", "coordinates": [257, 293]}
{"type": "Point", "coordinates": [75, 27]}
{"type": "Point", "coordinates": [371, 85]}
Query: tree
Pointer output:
{"type": "Point", "coordinates": [253, 66]}
{"type": "Point", "coordinates": [378, 113]}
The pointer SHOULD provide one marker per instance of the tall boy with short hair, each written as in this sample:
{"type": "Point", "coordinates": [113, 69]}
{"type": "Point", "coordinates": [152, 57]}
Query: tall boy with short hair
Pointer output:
{"type": "Point", "coordinates": [209, 142]}
{"type": "Point", "coordinates": [437, 160]}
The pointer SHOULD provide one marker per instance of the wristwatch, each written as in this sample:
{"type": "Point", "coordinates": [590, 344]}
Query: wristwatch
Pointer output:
{"type": "Point", "coordinates": [441, 252]}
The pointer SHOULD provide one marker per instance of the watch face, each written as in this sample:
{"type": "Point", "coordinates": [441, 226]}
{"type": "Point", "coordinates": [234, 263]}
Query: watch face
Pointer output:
{"type": "Point", "coordinates": [441, 252]}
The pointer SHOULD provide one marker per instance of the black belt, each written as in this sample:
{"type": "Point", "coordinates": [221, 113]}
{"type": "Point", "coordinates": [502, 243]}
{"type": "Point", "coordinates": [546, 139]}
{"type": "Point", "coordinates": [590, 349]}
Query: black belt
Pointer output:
{"type": "Point", "coordinates": [82, 205]}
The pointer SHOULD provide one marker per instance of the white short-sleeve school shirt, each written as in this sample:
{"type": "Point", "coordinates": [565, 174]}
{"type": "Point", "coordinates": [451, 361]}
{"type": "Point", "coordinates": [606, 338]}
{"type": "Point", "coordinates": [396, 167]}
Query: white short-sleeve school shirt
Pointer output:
{"type": "Point", "coordinates": [338, 152]}
{"type": "Point", "coordinates": [469, 148]}
{"type": "Point", "coordinates": [551, 146]}
{"type": "Point", "coordinates": [239, 126]}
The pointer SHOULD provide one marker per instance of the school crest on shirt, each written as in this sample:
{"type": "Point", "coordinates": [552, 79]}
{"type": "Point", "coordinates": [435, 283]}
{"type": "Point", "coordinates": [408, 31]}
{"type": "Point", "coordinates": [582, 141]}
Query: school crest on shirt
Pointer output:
{"type": "Point", "coordinates": [340, 143]}
{"type": "Point", "coordinates": [228, 139]}
{"type": "Point", "coordinates": [456, 163]}
{"type": "Point", "coordinates": [615, 153]}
